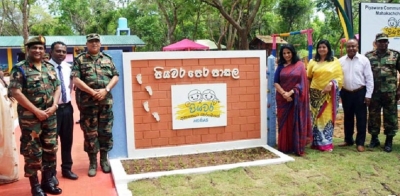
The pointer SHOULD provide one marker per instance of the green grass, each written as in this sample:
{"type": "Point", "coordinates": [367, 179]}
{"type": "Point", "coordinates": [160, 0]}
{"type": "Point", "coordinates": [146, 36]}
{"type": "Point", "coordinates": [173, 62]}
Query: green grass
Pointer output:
{"type": "Point", "coordinates": [342, 172]}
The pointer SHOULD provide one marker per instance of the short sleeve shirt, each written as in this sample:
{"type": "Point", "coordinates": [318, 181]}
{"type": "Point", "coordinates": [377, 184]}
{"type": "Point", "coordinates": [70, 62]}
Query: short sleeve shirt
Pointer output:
{"type": "Point", "coordinates": [384, 68]}
{"type": "Point", "coordinates": [96, 72]}
{"type": "Point", "coordinates": [38, 86]}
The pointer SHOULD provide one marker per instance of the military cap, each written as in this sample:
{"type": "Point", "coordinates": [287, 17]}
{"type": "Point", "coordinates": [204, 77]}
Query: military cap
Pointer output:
{"type": "Point", "coordinates": [92, 36]}
{"type": "Point", "coordinates": [36, 40]}
{"type": "Point", "coordinates": [381, 36]}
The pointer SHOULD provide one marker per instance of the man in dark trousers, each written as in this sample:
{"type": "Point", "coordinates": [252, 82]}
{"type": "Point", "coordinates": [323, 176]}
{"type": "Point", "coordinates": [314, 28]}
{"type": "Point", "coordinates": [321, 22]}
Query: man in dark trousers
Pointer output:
{"type": "Point", "coordinates": [65, 120]}
{"type": "Point", "coordinates": [356, 92]}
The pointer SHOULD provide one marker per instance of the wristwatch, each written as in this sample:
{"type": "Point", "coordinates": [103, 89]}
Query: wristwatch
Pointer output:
{"type": "Point", "coordinates": [107, 89]}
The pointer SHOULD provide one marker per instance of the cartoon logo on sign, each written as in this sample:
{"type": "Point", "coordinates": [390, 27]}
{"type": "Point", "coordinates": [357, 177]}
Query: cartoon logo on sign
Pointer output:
{"type": "Point", "coordinates": [393, 28]}
{"type": "Point", "coordinates": [200, 104]}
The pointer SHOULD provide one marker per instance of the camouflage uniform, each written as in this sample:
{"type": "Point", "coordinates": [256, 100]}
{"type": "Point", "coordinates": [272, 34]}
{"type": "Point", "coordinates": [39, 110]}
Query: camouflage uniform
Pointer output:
{"type": "Point", "coordinates": [384, 94]}
{"type": "Point", "coordinates": [38, 138]}
{"type": "Point", "coordinates": [96, 116]}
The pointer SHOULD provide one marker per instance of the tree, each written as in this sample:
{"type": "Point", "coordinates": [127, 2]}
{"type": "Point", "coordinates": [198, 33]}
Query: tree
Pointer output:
{"type": "Point", "coordinates": [15, 17]}
{"type": "Point", "coordinates": [86, 16]}
{"type": "Point", "coordinates": [294, 14]}
{"type": "Point", "coordinates": [241, 16]}
{"type": "Point", "coordinates": [173, 12]}
{"type": "Point", "coordinates": [147, 24]}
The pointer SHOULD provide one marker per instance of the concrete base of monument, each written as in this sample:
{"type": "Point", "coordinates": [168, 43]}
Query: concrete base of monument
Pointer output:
{"type": "Point", "coordinates": [121, 179]}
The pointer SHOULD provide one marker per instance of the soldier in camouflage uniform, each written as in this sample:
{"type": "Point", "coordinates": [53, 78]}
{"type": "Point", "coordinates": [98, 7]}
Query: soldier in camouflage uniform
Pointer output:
{"type": "Point", "coordinates": [94, 74]}
{"type": "Point", "coordinates": [385, 64]}
{"type": "Point", "coordinates": [35, 86]}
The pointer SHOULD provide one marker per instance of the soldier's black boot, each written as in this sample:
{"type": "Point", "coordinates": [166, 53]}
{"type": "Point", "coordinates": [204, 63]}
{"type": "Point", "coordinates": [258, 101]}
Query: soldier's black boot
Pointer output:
{"type": "Point", "coordinates": [374, 141]}
{"type": "Point", "coordinates": [54, 177]}
{"type": "Point", "coordinates": [105, 166]}
{"type": "Point", "coordinates": [388, 144]}
{"type": "Point", "coordinates": [35, 187]}
{"type": "Point", "coordinates": [48, 185]}
{"type": "Point", "coordinates": [92, 165]}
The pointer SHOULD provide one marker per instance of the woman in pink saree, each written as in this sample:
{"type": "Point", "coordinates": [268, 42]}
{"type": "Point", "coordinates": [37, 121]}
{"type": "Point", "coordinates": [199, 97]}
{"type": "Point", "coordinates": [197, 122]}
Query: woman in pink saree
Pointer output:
{"type": "Point", "coordinates": [326, 77]}
{"type": "Point", "coordinates": [293, 107]}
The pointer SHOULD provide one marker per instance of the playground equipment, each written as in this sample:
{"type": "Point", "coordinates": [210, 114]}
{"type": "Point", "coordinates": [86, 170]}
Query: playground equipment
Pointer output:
{"type": "Point", "coordinates": [271, 103]}
{"type": "Point", "coordinates": [309, 40]}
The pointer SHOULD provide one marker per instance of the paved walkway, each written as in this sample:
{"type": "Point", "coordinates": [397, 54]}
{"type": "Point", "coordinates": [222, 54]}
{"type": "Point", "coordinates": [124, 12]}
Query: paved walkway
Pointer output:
{"type": "Point", "coordinates": [101, 184]}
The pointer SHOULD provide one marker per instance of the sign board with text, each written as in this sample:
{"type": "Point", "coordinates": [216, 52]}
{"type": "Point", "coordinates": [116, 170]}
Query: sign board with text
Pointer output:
{"type": "Point", "coordinates": [199, 105]}
{"type": "Point", "coordinates": [379, 18]}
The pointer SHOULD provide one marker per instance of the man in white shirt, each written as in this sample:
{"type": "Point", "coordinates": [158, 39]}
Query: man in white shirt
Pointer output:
{"type": "Point", "coordinates": [356, 94]}
{"type": "Point", "coordinates": [65, 121]}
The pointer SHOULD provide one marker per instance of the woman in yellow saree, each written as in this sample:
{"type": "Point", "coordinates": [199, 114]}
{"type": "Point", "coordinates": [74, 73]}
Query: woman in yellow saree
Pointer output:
{"type": "Point", "coordinates": [325, 75]}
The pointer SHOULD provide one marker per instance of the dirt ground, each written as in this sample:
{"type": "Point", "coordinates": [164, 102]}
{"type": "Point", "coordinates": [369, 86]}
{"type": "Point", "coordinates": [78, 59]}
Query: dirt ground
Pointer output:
{"type": "Point", "coordinates": [339, 130]}
{"type": "Point", "coordinates": [196, 160]}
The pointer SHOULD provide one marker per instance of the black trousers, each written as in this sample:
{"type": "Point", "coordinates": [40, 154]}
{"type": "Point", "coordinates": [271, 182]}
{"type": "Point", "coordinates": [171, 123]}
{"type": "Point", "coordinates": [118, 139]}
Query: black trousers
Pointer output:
{"type": "Point", "coordinates": [353, 104]}
{"type": "Point", "coordinates": [65, 127]}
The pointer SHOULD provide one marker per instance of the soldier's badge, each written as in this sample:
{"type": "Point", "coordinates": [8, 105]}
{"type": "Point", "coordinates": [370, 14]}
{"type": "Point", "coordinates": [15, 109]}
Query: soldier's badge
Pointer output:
{"type": "Point", "coordinates": [41, 39]}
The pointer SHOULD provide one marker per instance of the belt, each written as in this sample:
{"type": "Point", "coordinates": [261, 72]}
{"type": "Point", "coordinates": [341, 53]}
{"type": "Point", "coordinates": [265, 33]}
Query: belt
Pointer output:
{"type": "Point", "coordinates": [355, 90]}
{"type": "Point", "coordinates": [63, 105]}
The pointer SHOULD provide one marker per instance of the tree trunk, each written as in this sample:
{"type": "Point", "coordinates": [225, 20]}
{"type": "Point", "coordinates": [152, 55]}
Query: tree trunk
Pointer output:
{"type": "Point", "coordinates": [241, 29]}
{"type": "Point", "coordinates": [197, 22]}
{"type": "Point", "coordinates": [3, 16]}
{"type": "Point", "coordinates": [244, 43]}
{"type": "Point", "coordinates": [25, 18]}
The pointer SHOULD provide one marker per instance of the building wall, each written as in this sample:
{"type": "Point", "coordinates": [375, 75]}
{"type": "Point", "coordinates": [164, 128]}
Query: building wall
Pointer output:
{"type": "Point", "coordinates": [3, 60]}
{"type": "Point", "coordinates": [243, 102]}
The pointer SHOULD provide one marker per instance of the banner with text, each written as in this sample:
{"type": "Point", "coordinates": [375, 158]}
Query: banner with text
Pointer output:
{"type": "Point", "coordinates": [379, 18]}
{"type": "Point", "coordinates": [199, 105]}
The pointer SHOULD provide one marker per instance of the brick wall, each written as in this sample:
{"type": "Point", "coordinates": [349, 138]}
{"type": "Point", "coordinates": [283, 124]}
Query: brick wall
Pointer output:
{"type": "Point", "coordinates": [243, 102]}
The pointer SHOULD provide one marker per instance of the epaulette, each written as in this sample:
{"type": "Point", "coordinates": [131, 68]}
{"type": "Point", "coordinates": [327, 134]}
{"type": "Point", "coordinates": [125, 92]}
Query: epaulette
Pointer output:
{"type": "Point", "coordinates": [107, 55]}
{"type": "Point", "coordinates": [47, 63]}
{"type": "Point", "coordinates": [21, 69]}
{"type": "Point", "coordinates": [80, 54]}
{"type": "Point", "coordinates": [394, 50]}
{"type": "Point", "coordinates": [20, 63]}
{"type": "Point", "coordinates": [369, 52]}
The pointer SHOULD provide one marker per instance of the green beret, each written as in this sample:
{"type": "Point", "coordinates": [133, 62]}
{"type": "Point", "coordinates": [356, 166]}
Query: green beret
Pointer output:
{"type": "Point", "coordinates": [92, 36]}
{"type": "Point", "coordinates": [381, 36]}
{"type": "Point", "coordinates": [36, 40]}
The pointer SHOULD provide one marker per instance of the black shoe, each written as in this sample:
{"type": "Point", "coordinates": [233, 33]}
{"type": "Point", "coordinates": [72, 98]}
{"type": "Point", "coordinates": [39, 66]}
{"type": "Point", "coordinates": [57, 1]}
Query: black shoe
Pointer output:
{"type": "Point", "coordinates": [55, 180]}
{"type": "Point", "coordinates": [388, 144]}
{"type": "Point", "coordinates": [47, 183]}
{"type": "Point", "coordinates": [54, 177]}
{"type": "Point", "coordinates": [374, 142]}
{"type": "Point", "coordinates": [35, 187]}
{"type": "Point", "coordinates": [69, 174]}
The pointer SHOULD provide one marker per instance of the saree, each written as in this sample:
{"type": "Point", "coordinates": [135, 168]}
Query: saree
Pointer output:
{"type": "Point", "coordinates": [324, 106]}
{"type": "Point", "coordinates": [8, 146]}
{"type": "Point", "coordinates": [294, 119]}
